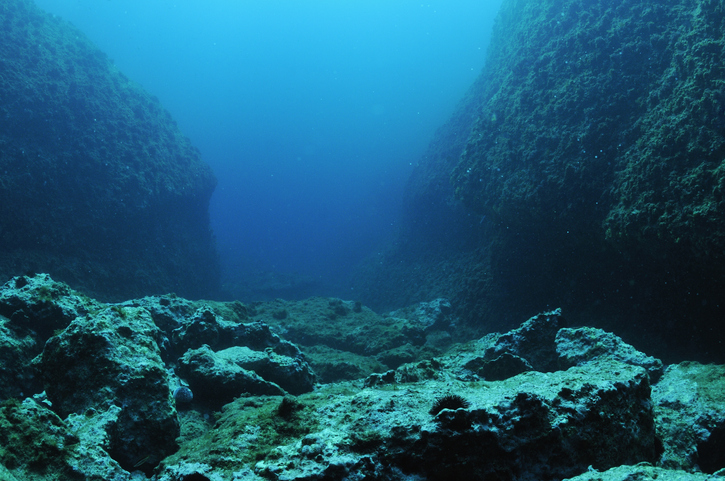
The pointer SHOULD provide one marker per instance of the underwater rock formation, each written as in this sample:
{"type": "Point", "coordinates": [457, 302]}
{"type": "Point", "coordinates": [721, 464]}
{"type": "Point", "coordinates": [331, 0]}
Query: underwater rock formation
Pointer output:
{"type": "Point", "coordinates": [105, 409]}
{"type": "Point", "coordinates": [589, 159]}
{"type": "Point", "coordinates": [99, 187]}
{"type": "Point", "coordinates": [110, 361]}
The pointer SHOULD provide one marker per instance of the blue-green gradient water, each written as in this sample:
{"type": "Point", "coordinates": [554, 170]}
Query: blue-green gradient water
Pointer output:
{"type": "Point", "coordinates": [311, 113]}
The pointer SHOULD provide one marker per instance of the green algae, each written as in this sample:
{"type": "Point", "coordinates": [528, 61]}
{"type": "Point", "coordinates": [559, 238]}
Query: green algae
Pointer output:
{"type": "Point", "coordinates": [249, 429]}
{"type": "Point", "coordinates": [33, 438]}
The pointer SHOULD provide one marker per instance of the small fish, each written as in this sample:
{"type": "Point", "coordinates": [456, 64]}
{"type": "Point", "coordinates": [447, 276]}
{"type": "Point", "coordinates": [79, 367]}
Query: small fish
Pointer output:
{"type": "Point", "coordinates": [142, 461]}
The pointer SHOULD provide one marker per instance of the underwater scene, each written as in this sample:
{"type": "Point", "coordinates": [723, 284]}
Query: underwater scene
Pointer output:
{"type": "Point", "coordinates": [364, 240]}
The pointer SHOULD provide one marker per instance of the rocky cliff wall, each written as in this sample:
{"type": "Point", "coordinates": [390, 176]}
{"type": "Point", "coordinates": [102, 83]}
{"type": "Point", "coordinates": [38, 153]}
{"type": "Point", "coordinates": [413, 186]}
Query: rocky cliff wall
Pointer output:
{"type": "Point", "coordinates": [98, 185]}
{"type": "Point", "coordinates": [595, 154]}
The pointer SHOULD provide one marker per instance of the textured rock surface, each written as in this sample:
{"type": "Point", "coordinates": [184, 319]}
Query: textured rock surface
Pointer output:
{"type": "Point", "coordinates": [690, 412]}
{"type": "Point", "coordinates": [345, 340]}
{"type": "Point", "coordinates": [107, 412]}
{"type": "Point", "coordinates": [598, 415]}
{"type": "Point", "coordinates": [32, 309]}
{"type": "Point", "coordinates": [217, 380]}
{"type": "Point", "coordinates": [642, 472]}
{"type": "Point", "coordinates": [99, 186]}
{"type": "Point", "coordinates": [589, 155]}
{"type": "Point", "coordinates": [111, 358]}
{"type": "Point", "coordinates": [578, 346]}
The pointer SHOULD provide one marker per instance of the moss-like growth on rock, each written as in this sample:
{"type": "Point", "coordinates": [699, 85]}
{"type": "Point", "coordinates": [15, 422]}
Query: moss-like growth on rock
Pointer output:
{"type": "Point", "coordinates": [99, 186]}
{"type": "Point", "coordinates": [593, 171]}
{"type": "Point", "coordinates": [33, 438]}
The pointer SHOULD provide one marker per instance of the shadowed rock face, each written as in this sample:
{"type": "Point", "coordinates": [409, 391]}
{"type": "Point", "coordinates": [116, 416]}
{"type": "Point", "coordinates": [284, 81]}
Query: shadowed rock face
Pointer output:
{"type": "Point", "coordinates": [589, 159]}
{"type": "Point", "coordinates": [98, 185]}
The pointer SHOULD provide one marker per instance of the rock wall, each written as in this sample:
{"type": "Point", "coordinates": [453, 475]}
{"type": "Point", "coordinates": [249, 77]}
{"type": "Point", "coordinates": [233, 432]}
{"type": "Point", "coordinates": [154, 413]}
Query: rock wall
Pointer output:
{"type": "Point", "coordinates": [98, 185]}
{"type": "Point", "coordinates": [596, 158]}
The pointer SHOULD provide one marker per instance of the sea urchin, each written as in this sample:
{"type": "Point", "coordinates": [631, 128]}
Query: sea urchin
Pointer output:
{"type": "Point", "coordinates": [449, 401]}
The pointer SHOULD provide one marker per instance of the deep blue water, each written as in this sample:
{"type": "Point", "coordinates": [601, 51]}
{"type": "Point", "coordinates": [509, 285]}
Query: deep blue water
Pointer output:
{"type": "Point", "coordinates": [311, 113]}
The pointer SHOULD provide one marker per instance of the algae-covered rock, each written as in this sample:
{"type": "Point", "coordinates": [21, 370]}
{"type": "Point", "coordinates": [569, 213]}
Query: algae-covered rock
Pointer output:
{"type": "Point", "coordinates": [690, 414]}
{"type": "Point", "coordinates": [16, 353]}
{"type": "Point", "coordinates": [603, 110]}
{"type": "Point", "coordinates": [99, 186]}
{"type": "Point", "coordinates": [534, 425]}
{"type": "Point", "coordinates": [578, 346]}
{"type": "Point", "coordinates": [112, 358]}
{"type": "Point", "coordinates": [338, 335]}
{"type": "Point", "coordinates": [34, 441]}
{"type": "Point", "coordinates": [32, 309]}
{"type": "Point", "coordinates": [589, 157]}
{"type": "Point", "coordinates": [217, 379]}
{"type": "Point", "coordinates": [641, 472]}
{"type": "Point", "coordinates": [39, 305]}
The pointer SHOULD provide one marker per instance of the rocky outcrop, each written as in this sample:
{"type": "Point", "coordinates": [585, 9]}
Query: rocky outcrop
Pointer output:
{"type": "Point", "coordinates": [345, 340]}
{"type": "Point", "coordinates": [528, 426]}
{"type": "Point", "coordinates": [99, 187]}
{"type": "Point", "coordinates": [110, 361]}
{"type": "Point", "coordinates": [592, 176]}
{"type": "Point", "coordinates": [542, 401]}
{"type": "Point", "coordinates": [109, 371]}
{"type": "Point", "coordinates": [643, 472]}
{"type": "Point", "coordinates": [690, 414]}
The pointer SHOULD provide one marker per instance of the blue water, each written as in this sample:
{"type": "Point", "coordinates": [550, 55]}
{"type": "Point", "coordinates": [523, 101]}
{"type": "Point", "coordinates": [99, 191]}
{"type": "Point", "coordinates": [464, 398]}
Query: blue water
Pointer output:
{"type": "Point", "coordinates": [311, 113]}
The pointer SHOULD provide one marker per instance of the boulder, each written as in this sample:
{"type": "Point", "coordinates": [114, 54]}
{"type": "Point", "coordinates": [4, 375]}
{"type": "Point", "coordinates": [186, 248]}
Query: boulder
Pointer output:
{"type": "Point", "coordinates": [531, 426]}
{"type": "Point", "coordinates": [578, 346]}
{"type": "Point", "coordinates": [690, 413]}
{"type": "Point", "coordinates": [40, 306]}
{"type": "Point", "coordinates": [112, 358]}
{"type": "Point", "coordinates": [33, 437]}
{"type": "Point", "coordinates": [640, 472]}
{"type": "Point", "coordinates": [532, 341]}
{"type": "Point", "coordinates": [216, 379]}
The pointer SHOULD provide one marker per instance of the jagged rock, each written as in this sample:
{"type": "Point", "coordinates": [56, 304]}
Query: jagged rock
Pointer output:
{"type": "Point", "coordinates": [40, 306]}
{"type": "Point", "coordinates": [640, 472]}
{"type": "Point", "coordinates": [503, 366]}
{"type": "Point", "coordinates": [216, 380]}
{"type": "Point", "coordinates": [32, 308]}
{"type": "Point", "coordinates": [425, 317]}
{"type": "Point", "coordinates": [202, 327]}
{"type": "Point", "coordinates": [90, 457]}
{"type": "Point", "coordinates": [33, 437]}
{"type": "Point", "coordinates": [219, 377]}
{"type": "Point", "coordinates": [330, 329]}
{"type": "Point", "coordinates": [533, 341]}
{"type": "Point", "coordinates": [17, 377]}
{"type": "Point", "coordinates": [291, 374]}
{"type": "Point", "coordinates": [35, 444]}
{"type": "Point", "coordinates": [499, 356]}
{"type": "Point", "coordinates": [112, 358]}
{"type": "Point", "coordinates": [690, 414]}
{"type": "Point", "coordinates": [532, 426]}
{"type": "Point", "coordinates": [577, 346]}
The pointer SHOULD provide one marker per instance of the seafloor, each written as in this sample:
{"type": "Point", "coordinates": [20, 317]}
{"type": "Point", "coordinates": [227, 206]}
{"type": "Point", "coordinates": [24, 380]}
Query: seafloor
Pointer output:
{"type": "Point", "coordinates": [171, 389]}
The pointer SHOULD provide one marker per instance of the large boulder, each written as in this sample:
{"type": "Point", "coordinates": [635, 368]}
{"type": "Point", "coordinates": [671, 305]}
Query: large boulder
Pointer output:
{"type": "Point", "coordinates": [690, 413]}
{"type": "Point", "coordinates": [110, 360]}
{"type": "Point", "coordinates": [99, 186]}
{"type": "Point", "coordinates": [531, 426]}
